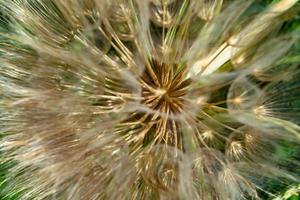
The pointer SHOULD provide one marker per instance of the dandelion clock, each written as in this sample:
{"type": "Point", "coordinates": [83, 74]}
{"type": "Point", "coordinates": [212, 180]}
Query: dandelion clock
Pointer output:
{"type": "Point", "coordinates": [149, 99]}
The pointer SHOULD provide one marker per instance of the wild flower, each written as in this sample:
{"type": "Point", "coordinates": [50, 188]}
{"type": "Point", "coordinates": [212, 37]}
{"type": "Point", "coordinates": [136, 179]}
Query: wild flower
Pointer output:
{"type": "Point", "coordinates": [147, 99]}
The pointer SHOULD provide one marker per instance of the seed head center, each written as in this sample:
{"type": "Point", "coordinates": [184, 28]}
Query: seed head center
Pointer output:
{"type": "Point", "coordinates": [160, 92]}
{"type": "Point", "coordinates": [164, 87]}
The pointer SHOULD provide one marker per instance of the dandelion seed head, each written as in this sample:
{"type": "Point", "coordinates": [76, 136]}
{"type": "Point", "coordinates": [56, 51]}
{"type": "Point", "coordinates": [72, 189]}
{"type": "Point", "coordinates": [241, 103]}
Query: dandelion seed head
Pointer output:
{"type": "Point", "coordinates": [150, 99]}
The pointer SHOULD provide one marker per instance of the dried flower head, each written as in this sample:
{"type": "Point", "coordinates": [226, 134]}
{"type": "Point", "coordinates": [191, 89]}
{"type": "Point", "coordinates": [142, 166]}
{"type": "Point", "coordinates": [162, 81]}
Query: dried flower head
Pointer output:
{"type": "Point", "coordinates": [147, 99]}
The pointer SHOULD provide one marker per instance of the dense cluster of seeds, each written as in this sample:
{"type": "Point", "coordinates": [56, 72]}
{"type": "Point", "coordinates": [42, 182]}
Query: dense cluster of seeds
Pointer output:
{"type": "Point", "coordinates": [147, 99]}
